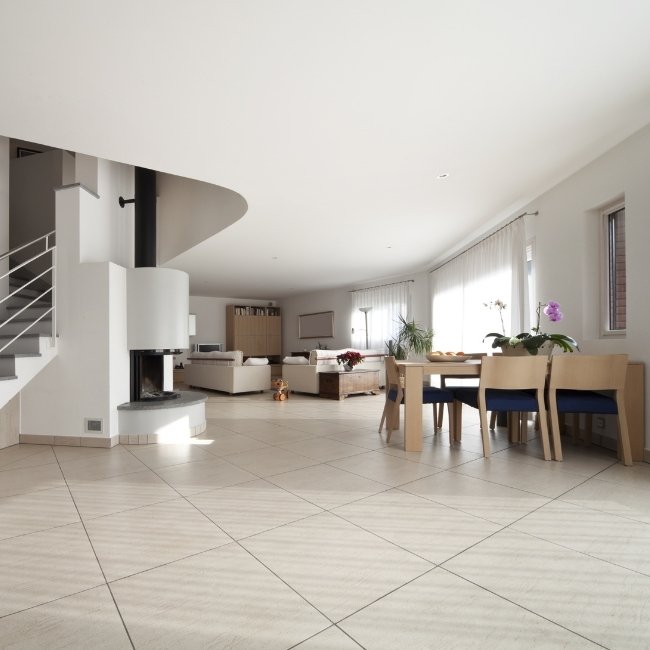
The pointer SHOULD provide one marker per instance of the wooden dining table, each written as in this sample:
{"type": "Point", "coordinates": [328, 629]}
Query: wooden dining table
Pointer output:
{"type": "Point", "coordinates": [414, 372]}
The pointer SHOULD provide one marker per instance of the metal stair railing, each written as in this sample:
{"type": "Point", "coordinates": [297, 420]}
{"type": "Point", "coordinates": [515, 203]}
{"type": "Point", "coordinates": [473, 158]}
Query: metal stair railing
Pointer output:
{"type": "Point", "coordinates": [48, 248]}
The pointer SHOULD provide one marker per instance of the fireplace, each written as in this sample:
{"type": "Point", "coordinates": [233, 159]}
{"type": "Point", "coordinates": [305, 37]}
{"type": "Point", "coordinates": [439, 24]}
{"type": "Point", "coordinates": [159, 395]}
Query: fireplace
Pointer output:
{"type": "Point", "coordinates": [148, 376]}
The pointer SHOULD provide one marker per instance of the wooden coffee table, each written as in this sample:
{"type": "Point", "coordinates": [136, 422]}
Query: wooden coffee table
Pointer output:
{"type": "Point", "coordinates": [338, 385]}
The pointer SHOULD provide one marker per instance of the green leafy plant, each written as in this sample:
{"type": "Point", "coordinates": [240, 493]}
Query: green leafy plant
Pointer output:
{"type": "Point", "coordinates": [410, 337]}
{"type": "Point", "coordinates": [533, 341]}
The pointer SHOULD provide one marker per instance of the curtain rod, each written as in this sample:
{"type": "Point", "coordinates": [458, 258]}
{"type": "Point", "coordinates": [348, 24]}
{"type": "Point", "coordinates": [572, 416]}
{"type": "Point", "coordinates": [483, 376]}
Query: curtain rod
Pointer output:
{"type": "Point", "coordinates": [379, 286]}
{"type": "Point", "coordinates": [480, 241]}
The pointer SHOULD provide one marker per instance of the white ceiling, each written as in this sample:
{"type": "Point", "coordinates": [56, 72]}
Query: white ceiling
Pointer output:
{"type": "Point", "coordinates": [334, 118]}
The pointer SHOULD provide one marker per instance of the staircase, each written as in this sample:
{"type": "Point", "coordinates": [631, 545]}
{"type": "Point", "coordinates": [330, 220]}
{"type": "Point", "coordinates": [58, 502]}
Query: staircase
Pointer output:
{"type": "Point", "coordinates": [27, 311]}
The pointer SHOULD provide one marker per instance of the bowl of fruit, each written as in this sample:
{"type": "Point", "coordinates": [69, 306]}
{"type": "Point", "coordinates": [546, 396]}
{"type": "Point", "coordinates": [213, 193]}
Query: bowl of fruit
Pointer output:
{"type": "Point", "coordinates": [437, 355]}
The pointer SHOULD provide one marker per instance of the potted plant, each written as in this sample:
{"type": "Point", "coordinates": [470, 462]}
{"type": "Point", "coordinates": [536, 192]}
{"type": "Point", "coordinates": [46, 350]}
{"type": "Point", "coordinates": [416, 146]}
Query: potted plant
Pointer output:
{"type": "Point", "coordinates": [349, 359]}
{"type": "Point", "coordinates": [533, 341]}
{"type": "Point", "coordinates": [411, 337]}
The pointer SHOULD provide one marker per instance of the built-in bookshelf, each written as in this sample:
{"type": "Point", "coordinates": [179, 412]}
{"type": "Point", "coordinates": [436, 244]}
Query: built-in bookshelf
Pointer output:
{"type": "Point", "coordinates": [255, 330]}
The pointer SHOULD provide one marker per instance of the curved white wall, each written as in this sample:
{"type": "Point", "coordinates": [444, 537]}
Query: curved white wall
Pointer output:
{"type": "Point", "coordinates": [158, 309]}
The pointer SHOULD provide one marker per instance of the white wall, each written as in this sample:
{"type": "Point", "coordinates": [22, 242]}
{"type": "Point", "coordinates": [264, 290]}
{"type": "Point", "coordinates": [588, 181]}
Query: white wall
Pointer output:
{"type": "Point", "coordinates": [339, 301]}
{"type": "Point", "coordinates": [90, 375]}
{"type": "Point", "coordinates": [33, 180]}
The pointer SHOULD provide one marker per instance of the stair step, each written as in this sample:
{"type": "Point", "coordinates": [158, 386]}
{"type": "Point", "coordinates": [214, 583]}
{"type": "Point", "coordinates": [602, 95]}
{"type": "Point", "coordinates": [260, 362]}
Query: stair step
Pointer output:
{"type": "Point", "coordinates": [20, 355]}
{"type": "Point", "coordinates": [24, 336]}
{"type": "Point", "coordinates": [7, 377]}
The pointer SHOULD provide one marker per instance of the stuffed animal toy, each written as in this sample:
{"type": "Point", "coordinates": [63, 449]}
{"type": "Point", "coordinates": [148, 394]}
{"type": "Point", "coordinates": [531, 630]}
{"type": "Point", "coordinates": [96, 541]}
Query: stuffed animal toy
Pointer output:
{"type": "Point", "coordinates": [281, 388]}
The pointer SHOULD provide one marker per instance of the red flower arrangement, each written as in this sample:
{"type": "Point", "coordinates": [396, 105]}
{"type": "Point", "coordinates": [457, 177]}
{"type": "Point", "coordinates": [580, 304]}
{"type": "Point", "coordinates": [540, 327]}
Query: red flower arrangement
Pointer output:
{"type": "Point", "coordinates": [349, 358]}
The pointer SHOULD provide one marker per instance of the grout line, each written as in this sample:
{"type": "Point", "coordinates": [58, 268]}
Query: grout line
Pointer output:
{"type": "Point", "coordinates": [99, 564]}
{"type": "Point", "coordinates": [520, 606]}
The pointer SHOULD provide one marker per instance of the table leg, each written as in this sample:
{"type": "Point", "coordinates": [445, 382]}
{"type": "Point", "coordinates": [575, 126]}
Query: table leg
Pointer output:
{"type": "Point", "coordinates": [413, 378]}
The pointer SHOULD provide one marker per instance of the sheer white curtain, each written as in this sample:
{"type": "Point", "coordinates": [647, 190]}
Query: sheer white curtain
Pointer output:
{"type": "Point", "coordinates": [495, 268]}
{"type": "Point", "coordinates": [386, 303]}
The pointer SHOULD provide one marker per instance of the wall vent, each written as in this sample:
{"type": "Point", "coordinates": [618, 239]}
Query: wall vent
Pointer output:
{"type": "Point", "coordinates": [93, 425]}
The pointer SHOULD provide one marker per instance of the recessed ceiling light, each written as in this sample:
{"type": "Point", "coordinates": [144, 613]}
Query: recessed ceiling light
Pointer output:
{"type": "Point", "coordinates": [274, 258]}
{"type": "Point", "coordinates": [443, 175]}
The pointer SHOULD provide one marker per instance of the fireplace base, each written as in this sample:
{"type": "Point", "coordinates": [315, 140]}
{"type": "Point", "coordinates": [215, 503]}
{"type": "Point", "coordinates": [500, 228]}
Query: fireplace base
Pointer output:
{"type": "Point", "coordinates": [166, 421]}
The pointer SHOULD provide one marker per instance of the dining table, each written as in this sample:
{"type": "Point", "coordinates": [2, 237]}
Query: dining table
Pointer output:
{"type": "Point", "coordinates": [414, 372]}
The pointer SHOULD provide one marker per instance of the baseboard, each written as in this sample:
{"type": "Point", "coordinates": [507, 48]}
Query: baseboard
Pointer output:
{"type": "Point", "coordinates": [68, 441]}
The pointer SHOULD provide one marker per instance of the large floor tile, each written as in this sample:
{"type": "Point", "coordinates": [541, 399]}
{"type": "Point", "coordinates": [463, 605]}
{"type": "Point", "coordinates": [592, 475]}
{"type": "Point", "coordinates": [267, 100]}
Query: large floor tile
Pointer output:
{"type": "Point", "coordinates": [117, 463]}
{"type": "Point", "coordinates": [136, 540]}
{"type": "Point", "coordinates": [326, 486]}
{"type": "Point", "coordinates": [30, 479]}
{"type": "Point", "coordinates": [40, 567]}
{"type": "Point", "coordinates": [105, 497]}
{"type": "Point", "coordinates": [637, 476]}
{"type": "Point", "coordinates": [384, 468]}
{"type": "Point", "coordinates": [334, 565]}
{"type": "Point", "coordinates": [439, 455]}
{"type": "Point", "coordinates": [493, 502]}
{"type": "Point", "coordinates": [548, 481]}
{"type": "Point", "coordinates": [233, 443]}
{"type": "Point", "coordinates": [430, 530]}
{"type": "Point", "coordinates": [191, 478]}
{"type": "Point", "coordinates": [616, 539]}
{"type": "Point", "coordinates": [363, 438]}
{"type": "Point", "coordinates": [270, 461]}
{"type": "Point", "coordinates": [20, 456]}
{"type": "Point", "coordinates": [66, 454]}
{"type": "Point", "coordinates": [604, 603]}
{"type": "Point", "coordinates": [280, 435]}
{"type": "Point", "coordinates": [250, 508]}
{"type": "Point", "coordinates": [615, 498]}
{"type": "Point", "coordinates": [34, 511]}
{"type": "Point", "coordinates": [158, 456]}
{"type": "Point", "coordinates": [324, 449]}
{"type": "Point", "coordinates": [440, 610]}
{"type": "Point", "coordinates": [221, 599]}
{"type": "Point", "coordinates": [86, 620]}
{"type": "Point", "coordinates": [577, 459]}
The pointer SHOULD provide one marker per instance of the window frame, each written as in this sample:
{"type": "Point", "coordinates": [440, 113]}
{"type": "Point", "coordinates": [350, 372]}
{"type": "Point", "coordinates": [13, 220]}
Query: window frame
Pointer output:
{"type": "Point", "coordinates": [606, 272]}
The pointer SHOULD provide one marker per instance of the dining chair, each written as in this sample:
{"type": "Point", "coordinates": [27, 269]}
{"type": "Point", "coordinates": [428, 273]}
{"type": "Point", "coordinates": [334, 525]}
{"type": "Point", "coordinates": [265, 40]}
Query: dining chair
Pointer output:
{"type": "Point", "coordinates": [395, 397]}
{"type": "Point", "coordinates": [577, 384]}
{"type": "Point", "coordinates": [438, 410]}
{"type": "Point", "coordinates": [514, 385]}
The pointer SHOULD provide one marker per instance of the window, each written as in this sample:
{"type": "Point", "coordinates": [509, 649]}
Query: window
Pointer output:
{"type": "Point", "coordinates": [494, 268]}
{"type": "Point", "coordinates": [615, 277]}
{"type": "Point", "coordinates": [378, 308]}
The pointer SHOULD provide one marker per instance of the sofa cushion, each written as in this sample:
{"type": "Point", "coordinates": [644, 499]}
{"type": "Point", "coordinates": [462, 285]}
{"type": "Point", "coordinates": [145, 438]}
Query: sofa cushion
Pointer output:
{"type": "Point", "coordinates": [232, 358]}
{"type": "Point", "coordinates": [255, 361]}
{"type": "Point", "coordinates": [296, 361]}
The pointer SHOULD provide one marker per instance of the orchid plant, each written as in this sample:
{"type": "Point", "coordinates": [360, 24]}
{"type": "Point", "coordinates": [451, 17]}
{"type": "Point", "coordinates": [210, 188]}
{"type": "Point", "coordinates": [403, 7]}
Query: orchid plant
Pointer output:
{"type": "Point", "coordinates": [533, 341]}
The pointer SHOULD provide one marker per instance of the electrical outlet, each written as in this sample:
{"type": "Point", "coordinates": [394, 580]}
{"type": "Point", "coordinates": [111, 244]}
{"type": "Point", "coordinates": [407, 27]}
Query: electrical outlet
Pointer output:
{"type": "Point", "coordinates": [599, 422]}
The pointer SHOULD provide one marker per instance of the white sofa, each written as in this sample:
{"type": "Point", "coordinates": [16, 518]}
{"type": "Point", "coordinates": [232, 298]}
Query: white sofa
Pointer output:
{"type": "Point", "coordinates": [226, 372]}
{"type": "Point", "coordinates": [304, 378]}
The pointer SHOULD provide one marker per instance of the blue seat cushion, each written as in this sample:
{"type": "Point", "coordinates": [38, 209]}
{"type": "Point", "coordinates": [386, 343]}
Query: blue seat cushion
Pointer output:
{"type": "Point", "coordinates": [497, 399]}
{"type": "Point", "coordinates": [430, 395]}
{"type": "Point", "coordinates": [585, 401]}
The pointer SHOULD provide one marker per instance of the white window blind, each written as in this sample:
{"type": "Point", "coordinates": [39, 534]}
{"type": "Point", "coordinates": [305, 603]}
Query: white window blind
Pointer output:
{"type": "Point", "coordinates": [386, 303]}
{"type": "Point", "coordinates": [495, 268]}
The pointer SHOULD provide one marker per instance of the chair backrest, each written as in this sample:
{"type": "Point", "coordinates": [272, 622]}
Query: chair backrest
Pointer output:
{"type": "Point", "coordinates": [514, 373]}
{"type": "Point", "coordinates": [392, 372]}
{"type": "Point", "coordinates": [589, 372]}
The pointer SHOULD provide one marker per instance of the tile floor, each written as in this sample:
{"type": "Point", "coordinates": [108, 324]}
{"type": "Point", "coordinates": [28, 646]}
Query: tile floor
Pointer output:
{"type": "Point", "coordinates": [293, 525]}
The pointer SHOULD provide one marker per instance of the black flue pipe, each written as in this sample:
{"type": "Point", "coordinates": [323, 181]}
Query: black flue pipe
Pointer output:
{"type": "Point", "coordinates": [145, 217]}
